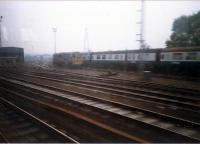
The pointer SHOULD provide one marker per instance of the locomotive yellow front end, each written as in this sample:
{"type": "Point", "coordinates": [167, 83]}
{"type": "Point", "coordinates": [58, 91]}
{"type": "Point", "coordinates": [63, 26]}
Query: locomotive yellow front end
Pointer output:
{"type": "Point", "coordinates": [77, 58]}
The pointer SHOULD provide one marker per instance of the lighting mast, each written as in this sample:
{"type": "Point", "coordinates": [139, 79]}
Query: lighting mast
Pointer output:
{"type": "Point", "coordinates": [54, 31]}
{"type": "Point", "coordinates": [86, 42]}
{"type": "Point", "coordinates": [1, 19]}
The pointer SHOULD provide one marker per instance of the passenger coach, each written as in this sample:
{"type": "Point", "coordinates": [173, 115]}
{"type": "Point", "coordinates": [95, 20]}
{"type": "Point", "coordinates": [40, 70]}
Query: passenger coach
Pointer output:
{"type": "Point", "coordinates": [168, 60]}
{"type": "Point", "coordinates": [126, 58]}
{"type": "Point", "coordinates": [181, 60]}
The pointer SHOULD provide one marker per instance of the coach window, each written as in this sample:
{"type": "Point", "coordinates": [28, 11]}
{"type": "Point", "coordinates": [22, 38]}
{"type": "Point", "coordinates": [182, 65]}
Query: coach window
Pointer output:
{"type": "Point", "coordinates": [133, 57]}
{"type": "Point", "coordinates": [116, 56]}
{"type": "Point", "coordinates": [162, 56]}
{"type": "Point", "coordinates": [167, 56]}
{"type": "Point", "coordinates": [191, 56]}
{"type": "Point", "coordinates": [129, 57]}
{"type": "Point", "coordinates": [139, 57]}
{"type": "Point", "coordinates": [121, 56]}
{"type": "Point", "coordinates": [103, 57]}
{"type": "Point", "coordinates": [110, 56]}
{"type": "Point", "coordinates": [98, 57]}
{"type": "Point", "coordinates": [177, 56]}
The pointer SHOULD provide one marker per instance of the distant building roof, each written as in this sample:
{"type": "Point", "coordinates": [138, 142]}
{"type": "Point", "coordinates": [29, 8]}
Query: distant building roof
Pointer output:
{"type": "Point", "coordinates": [10, 49]}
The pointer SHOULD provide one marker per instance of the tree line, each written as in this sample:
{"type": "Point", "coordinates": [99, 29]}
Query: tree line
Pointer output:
{"type": "Point", "coordinates": [185, 31]}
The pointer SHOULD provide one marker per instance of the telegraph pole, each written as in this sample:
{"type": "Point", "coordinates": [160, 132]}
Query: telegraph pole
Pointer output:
{"type": "Point", "coordinates": [1, 19]}
{"type": "Point", "coordinates": [54, 31]}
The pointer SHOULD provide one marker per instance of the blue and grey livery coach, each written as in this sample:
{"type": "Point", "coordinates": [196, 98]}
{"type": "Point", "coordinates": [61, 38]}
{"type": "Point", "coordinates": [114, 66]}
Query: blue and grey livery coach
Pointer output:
{"type": "Point", "coordinates": [181, 60]}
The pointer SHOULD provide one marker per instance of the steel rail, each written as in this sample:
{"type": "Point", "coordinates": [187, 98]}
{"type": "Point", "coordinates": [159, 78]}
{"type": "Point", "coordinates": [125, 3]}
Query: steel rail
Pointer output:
{"type": "Point", "coordinates": [43, 124]}
{"type": "Point", "coordinates": [110, 84]}
{"type": "Point", "coordinates": [140, 83]}
{"type": "Point", "coordinates": [80, 130]}
{"type": "Point", "coordinates": [132, 105]}
{"type": "Point", "coordinates": [165, 129]}
{"type": "Point", "coordinates": [125, 88]}
{"type": "Point", "coordinates": [134, 83]}
{"type": "Point", "coordinates": [83, 117]}
{"type": "Point", "coordinates": [116, 90]}
{"type": "Point", "coordinates": [3, 138]}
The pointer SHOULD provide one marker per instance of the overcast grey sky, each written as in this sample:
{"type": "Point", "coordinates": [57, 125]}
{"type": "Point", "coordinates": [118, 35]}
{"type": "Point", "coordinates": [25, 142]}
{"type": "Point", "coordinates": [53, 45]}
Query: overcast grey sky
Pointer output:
{"type": "Point", "coordinates": [111, 24]}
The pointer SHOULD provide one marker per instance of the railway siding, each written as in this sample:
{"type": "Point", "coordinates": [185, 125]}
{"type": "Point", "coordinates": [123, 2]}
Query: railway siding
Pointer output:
{"type": "Point", "coordinates": [147, 116]}
{"type": "Point", "coordinates": [170, 110]}
{"type": "Point", "coordinates": [80, 130]}
{"type": "Point", "coordinates": [112, 109]}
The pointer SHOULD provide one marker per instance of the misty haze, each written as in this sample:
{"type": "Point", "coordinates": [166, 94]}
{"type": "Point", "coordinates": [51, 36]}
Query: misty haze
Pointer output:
{"type": "Point", "coordinates": [100, 71]}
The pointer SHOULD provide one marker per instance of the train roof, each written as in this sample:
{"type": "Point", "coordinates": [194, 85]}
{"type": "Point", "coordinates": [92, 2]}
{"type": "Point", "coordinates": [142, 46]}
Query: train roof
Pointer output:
{"type": "Point", "coordinates": [109, 52]}
{"type": "Point", "coordinates": [174, 49]}
{"type": "Point", "coordinates": [128, 51]}
{"type": "Point", "coordinates": [65, 53]}
{"type": "Point", "coordinates": [181, 49]}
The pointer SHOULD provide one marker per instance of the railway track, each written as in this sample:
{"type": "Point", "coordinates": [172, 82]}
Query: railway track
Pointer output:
{"type": "Point", "coordinates": [122, 97]}
{"type": "Point", "coordinates": [186, 102]}
{"type": "Point", "coordinates": [161, 125]}
{"type": "Point", "coordinates": [190, 115]}
{"type": "Point", "coordinates": [79, 130]}
{"type": "Point", "coordinates": [17, 125]}
{"type": "Point", "coordinates": [143, 84]}
{"type": "Point", "coordinates": [63, 106]}
{"type": "Point", "coordinates": [131, 91]}
{"type": "Point", "coordinates": [135, 83]}
{"type": "Point", "coordinates": [141, 87]}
